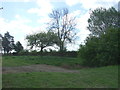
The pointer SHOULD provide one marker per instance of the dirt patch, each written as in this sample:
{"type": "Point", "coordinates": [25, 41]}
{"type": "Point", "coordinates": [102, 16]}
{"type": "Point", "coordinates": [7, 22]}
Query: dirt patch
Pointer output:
{"type": "Point", "coordinates": [75, 66]}
{"type": "Point", "coordinates": [36, 68]}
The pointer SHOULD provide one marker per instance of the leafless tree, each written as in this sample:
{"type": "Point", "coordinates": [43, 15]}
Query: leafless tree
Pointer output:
{"type": "Point", "coordinates": [64, 25]}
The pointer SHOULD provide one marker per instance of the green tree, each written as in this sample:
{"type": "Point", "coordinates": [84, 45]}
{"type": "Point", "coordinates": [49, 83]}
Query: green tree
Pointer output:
{"type": "Point", "coordinates": [18, 47]}
{"type": "Point", "coordinates": [88, 51]}
{"type": "Point", "coordinates": [101, 46]}
{"type": "Point", "coordinates": [42, 40]}
{"type": "Point", "coordinates": [101, 51]}
{"type": "Point", "coordinates": [0, 43]}
{"type": "Point", "coordinates": [7, 42]}
{"type": "Point", "coordinates": [64, 25]}
{"type": "Point", "coordinates": [108, 48]}
{"type": "Point", "coordinates": [101, 19]}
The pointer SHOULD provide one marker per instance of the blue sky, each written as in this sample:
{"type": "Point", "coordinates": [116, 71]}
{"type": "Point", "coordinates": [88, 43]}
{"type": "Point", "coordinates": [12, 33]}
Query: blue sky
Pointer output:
{"type": "Point", "coordinates": [23, 17]}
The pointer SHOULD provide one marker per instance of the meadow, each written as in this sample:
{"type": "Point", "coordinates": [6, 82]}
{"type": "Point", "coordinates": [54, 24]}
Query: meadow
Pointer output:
{"type": "Point", "coordinates": [12, 61]}
{"type": "Point", "coordinates": [101, 77]}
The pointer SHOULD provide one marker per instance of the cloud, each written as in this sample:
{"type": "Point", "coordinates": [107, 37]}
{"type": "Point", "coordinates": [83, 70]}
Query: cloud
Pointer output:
{"type": "Point", "coordinates": [19, 28]}
{"type": "Point", "coordinates": [44, 8]}
{"type": "Point", "coordinates": [72, 2]}
{"type": "Point", "coordinates": [16, 0]}
{"type": "Point", "coordinates": [87, 4]}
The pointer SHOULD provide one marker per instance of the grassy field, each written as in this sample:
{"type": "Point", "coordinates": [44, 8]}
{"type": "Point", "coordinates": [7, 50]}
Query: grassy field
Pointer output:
{"type": "Point", "coordinates": [29, 60]}
{"type": "Point", "coordinates": [103, 77]}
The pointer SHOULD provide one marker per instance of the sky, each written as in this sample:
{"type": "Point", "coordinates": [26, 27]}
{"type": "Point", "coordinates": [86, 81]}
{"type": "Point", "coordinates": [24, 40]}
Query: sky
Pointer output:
{"type": "Point", "coordinates": [24, 17]}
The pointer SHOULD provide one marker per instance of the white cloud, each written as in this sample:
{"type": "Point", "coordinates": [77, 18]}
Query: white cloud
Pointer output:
{"type": "Point", "coordinates": [19, 28]}
{"type": "Point", "coordinates": [43, 20]}
{"type": "Point", "coordinates": [16, 0]}
{"type": "Point", "coordinates": [75, 13]}
{"type": "Point", "coordinates": [72, 2]}
{"type": "Point", "coordinates": [87, 4]}
{"type": "Point", "coordinates": [82, 26]}
{"type": "Point", "coordinates": [34, 10]}
{"type": "Point", "coordinates": [44, 8]}
{"type": "Point", "coordinates": [22, 19]}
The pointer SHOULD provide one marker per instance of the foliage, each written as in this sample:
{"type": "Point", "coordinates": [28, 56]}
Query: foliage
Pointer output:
{"type": "Point", "coordinates": [64, 25]}
{"type": "Point", "coordinates": [101, 19]}
{"type": "Point", "coordinates": [46, 53]}
{"type": "Point", "coordinates": [101, 51]}
{"type": "Point", "coordinates": [7, 42]}
{"type": "Point", "coordinates": [101, 47]}
{"type": "Point", "coordinates": [42, 40]}
{"type": "Point", "coordinates": [23, 52]}
{"type": "Point", "coordinates": [18, 47]}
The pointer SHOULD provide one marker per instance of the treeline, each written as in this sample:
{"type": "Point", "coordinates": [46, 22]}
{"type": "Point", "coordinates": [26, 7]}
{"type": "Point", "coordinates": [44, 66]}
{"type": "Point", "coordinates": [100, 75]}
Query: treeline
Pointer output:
{"type": "Point", "coordinates": [45, 53]}
{"type": "Point", "coordinates": [101, 46]}
{"type": "Point", "coordinates": [9, 47]}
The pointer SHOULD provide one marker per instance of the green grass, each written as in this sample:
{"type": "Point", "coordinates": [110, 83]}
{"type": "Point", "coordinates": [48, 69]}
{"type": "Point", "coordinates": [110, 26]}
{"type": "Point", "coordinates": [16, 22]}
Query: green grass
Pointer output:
{"type": "Point", "coordinates": [104, 77]}
{"type": "Point", "coordinates": [28, 60]}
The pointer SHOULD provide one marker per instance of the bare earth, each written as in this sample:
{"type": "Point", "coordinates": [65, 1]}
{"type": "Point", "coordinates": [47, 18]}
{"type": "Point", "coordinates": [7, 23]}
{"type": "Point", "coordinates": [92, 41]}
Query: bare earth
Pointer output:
{"type": "Point", "coordinates": [36, 68]}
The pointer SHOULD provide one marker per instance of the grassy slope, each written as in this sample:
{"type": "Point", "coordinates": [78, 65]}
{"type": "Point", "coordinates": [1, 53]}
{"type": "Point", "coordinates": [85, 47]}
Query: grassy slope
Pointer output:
{"type": "Point", "coordinates": [104, 77]}
{"type": "Point", "coordinates": [28, 60]}
{"type": "Point", "coordinates": [95, 77]}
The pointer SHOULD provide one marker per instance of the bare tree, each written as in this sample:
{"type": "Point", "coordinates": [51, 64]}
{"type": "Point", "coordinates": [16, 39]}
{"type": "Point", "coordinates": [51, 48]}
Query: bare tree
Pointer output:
{"type": "Point", "coordinates": [64, 25]}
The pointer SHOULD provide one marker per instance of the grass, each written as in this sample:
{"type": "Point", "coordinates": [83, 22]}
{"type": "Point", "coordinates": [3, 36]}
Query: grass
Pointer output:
{"type": "Point", "coordinates": [12, 61]}
{"type": "Point", "coordinates": [104, 77]}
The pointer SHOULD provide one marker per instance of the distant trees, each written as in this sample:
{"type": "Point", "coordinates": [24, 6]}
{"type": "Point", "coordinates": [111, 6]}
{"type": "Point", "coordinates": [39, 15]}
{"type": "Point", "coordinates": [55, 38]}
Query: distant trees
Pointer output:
{"type": "Point", "coordinates": [8, 43]}
{"type": "Point", "coordinates": [42, 40]}
{"type": "Point", "coordinates": [18, 47]}
{"type": "Point", "coordinates": [101, 47]}
{"type": "Point", "coordinates": [0, 43]}
{"type": "Point", "coordinates": [63, 25]}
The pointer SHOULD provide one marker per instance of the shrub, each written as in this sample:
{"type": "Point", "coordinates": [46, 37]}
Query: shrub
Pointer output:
{"type": "Point", "coordinates": [100, 51]}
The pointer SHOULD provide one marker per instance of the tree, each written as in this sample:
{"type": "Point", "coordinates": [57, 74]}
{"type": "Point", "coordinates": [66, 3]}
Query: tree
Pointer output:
{"type": "Point", "coordinates": [64, 25]}
{"type": "Point", "coordinates": [18, 47]}
{"type": "Point", "coordinates": [101, 51]}
{"type": "Point", "coordinates": [101, 46]}
{"type": "Point", "coordinates": [0, 43]}
{"type": "Point", "coordinates": [7, 42]}
{"type": "Point", "coordinates": [42, 40]}
{"type": "Point", "coordinates": [101, 19]}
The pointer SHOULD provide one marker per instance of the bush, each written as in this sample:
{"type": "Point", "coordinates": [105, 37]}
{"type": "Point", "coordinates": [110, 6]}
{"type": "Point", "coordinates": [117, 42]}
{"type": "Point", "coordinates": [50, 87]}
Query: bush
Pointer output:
{"type": "Point", "coordinates": [100, 51]}
{"type": "Point", "coordinates": [23, 52]}
{"type": "Point", "coordinates": [52, 53]}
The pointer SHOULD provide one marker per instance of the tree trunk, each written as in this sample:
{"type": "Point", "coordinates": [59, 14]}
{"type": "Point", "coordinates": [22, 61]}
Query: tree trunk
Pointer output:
{"type": "Point", "coordinates": [41, 51]}
{"type": "Point", "coordinates": [62, 46]}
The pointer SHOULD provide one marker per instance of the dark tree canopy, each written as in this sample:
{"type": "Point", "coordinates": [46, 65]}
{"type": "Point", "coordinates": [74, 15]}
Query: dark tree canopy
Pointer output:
{"type": "Point", "coordinates": [18, 47]}
{"type": "Point", "coordinates": [101, 19]}
{"type": "Point", "coordinates": [101, 46]}
{"type": "Point", "coordinates": [64, 25]}
{"type": "Point", "coordinates": [101, 51]}
{"type": "Point", "coordinates": [7, 42]}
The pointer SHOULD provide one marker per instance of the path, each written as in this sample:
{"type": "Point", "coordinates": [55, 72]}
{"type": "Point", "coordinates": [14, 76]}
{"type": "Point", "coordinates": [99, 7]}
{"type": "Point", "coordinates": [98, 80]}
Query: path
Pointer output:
{"type": "Point", "coordinates": [36, 68]}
